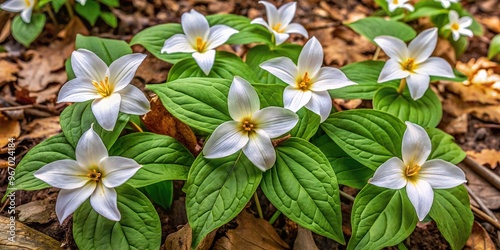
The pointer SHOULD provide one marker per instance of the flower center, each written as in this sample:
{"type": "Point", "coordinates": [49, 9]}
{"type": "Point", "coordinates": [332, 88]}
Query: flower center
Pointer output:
{"type": "Point", "coordinates": [395, 1]}
{"type": "Point", "coordinates": [455, 26]}
{"type": "Point", "coordinates": [200, 44]}
{"type": "Point", "coordinates": [412, 170]}
{"type": "Point", "coordinates": [27, 2]}
{"type": "Point", "coordinates": [248, 125]}
{"type": "Point", "coordinates": [278, 28]}
{"type": "Point", "coordinates": [305, 82]}
{"type": "Point", "coordinates": [94, 175]}
{"type": "Point", "coordinates": [103, 87]}
{"type": "Point", "coordinates": [408, 65]}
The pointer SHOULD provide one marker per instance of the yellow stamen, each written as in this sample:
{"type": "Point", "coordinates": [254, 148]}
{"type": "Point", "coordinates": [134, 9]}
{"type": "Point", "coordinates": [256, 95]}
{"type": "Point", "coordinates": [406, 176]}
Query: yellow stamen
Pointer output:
{"type": "Point", "coordinates": [200, 44]}
{"type": "Point", "coordinates": [28, 3]}
{"type": "Point", "coordinates": [305, 82]}
{"type": "Point", "coordinates": [103, 87]}
{"type": "Point", "coordinates": [395, 1]}
{"type": "Point", "coordinates": [248, 125]}
{"type": "Point", "coordinates": [455, 26]}
{"type": "Point", "coordinates": [408, 65]}
{"type": "Point", "coordinates": [94, 175]}
{"type": "Point", "coordinates": [278, 28]}
{"type": "Point", "coordinates": [412, 170]}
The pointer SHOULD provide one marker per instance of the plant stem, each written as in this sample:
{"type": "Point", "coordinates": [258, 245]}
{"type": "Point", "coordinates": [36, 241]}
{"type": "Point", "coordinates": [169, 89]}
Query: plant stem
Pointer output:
{"type": "Point", "coordinates": [51, 15]}
{"type": "Point", "coordinates": [70, 9]}
{"type": "Point", "coordinates": [275, 216]}
{"type": "Point", "coordinates": [402, 86]}
{"type": "Point", "coordinates": [375, 55]}
{"type": "Point", "coordinates": [135, 126]}
{"type": "Point", "coordinates": [346, 196]}
{"type": "Point", "coordinates": [257, 204]}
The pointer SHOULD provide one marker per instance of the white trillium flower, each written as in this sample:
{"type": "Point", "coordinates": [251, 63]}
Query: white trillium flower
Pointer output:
{"type": "Point", "coordinates": [109, 87]}
{"type": "Point", "coordinates": [395, 4]}
{"type": "Point", "coordinates": [198, 39]}
{"type": "Point", "coordinates": [82, 2]}
{"type": "Point", "coordinates": [418, 174]}
{"type": "Point", "coordinates": [459, 26]}
{"type": "Point", "coordinates": [308, 81]}
{"type": "Point", "coordinates": [413, 62]}
{"type": "Point", "coordinates": [252, 128]}
{"type": "Point", "coordinates": [279, 21]}
{"type": "Point", "coordinates": [23, 6]}
{"type": "Point", "coordinates": [447, 3]}
{"type": "Point", "coordinates": [94, 174]}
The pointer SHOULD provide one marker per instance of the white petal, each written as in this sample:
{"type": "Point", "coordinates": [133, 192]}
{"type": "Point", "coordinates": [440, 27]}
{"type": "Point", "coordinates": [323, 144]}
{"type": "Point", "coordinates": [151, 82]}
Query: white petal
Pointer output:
{"type": "Point", "coordinates": [69, 200]}
{"type": "Point", "coordinates": [392, 7]}
{"type": "Point", "coordinates": [417, 84]}
{"type": "Point", "coordinates": [260, 150]}
{"type": "Point", "coordinates": [390, 174]}
{"type": "Point", "coordinates": [435, 66]}
{"type": "Point", "coordinates": [392, 70]}
{"type": "Point", "coordinates": [79, 89]}
{"type": "Point", "coordinates": [466, 32]}
{"type": "Point", "coordinates": [117, 170]}
{"type": "Point", "coordinates": [227, 138]}
{"type": "Point", "coordinates": [416, 144]}
{"type": "Point", "coordinates": [286, 13]}
{"type": "Point", "coordinates": [275, 121]}
{"type": "Point", "coordinates": [441, 174]}
{"type": "Point", "coordinates": [122, 70]}
{"type": "Point", "coordinates": [393, 47]}
{"type": "Point", "coordinates": [106, 110]}
{"type": "Point", "coordinates": [104, 201]}
{"type": "Point", "coordinates": [280, 37]}
{"type": "Point", "coordinates": [177, 43]}
{"type": "Point", "coordinates": [456, 35]}
{"type": "Point", "coordinates": [423, 45]}
{"type": "Point", "coordinates": [453, 16]}
{"type": "Point", "coordinates": [465, 22]}
{"type": "Point", "coordinates": [82, 2]}
{"type": "Point", "coordinates": [90, 149]}
{"type": "Point", "coordinates": [294, 99]}
{"type": "Point", "coordinates": [310, 58]}
{"type": "Point", "coordinates": [296, 29]}
{"type": "Point", "coordinates": [409, 7]}
{"type": "Point", "coordinates": [330, 78]}
{"type": "Point", "coordinates": [14, 6]}
{"type": "Point", "coordinates": [205, 60]}
{"type": "Point", "coordinates": [321, 104]}
{"type": "Point", "coordinates": [194, 25]}
{"type": "Point", "coordinates": [219, 34]}
{"type": "Point", "coordinates": [446, 4]}
{"type": "Point", "coordinates": [133, 102]}
{"type": "Point", "coordinates": [87, 64]}
{"type": "Point", "coordinates": [261, 21]}
{"type": "Point", "coordinates": [283, 68]}
{"type": "Point", "coordinates": [242, 100]}
{"type": "Point", "coordinates": [421, 196]}
{"type": "Point", "coordinates": [65, 174]}
{"type": "Point", "coordinates": [271, 12]}
{"type": "Point", "coordinates": [26, 15]}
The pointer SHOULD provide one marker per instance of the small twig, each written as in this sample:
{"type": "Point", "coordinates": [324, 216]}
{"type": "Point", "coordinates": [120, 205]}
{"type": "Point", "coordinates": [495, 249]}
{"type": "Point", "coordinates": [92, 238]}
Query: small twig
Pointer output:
{"type": "Point", "coordinates": [135, 126]}
{"type": "Point", "coordinates": [70, 9]}
{"type": "Point", "coordinates": [483, 172]}
{"type": "Point", "coordinates": [480, 203]}
{"type": "Point", "coordinates": [402, 86]}
{"type": "Point", "coordinates": [346, 196]}
{"type": "Point", "coordinates": [257, 204]}
{"type": "Point", "coordinates": [16, 107]}
{"type": "Point", "coordinates": [485, 217]}
{"type": "Point", "coordinates": [51, 15]}
{"type": "Point", "coordinates": [483, 125]}
{"type": "Point", "coordinates": [375, 55]}
{"type": "Point", "coordinates": [278, 141]}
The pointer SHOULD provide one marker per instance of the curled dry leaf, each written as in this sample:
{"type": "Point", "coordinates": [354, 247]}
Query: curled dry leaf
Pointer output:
{"type": "Point", "coordinates": [479, 239]}
{"type": "Point", "coordinates": [37, 73]}
{"type": "Point", "coordinates": [490, 157]}
{"type": "Point", "coordinates": [10, 129]}
{"type": "Point", "coordinates": [181, 240]}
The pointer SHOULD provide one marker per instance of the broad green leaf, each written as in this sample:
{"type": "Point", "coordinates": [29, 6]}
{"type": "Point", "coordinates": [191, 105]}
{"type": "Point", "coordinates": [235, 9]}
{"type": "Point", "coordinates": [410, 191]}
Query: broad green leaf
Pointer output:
{"type": "Point", "coordinates": [381, 218]}
{"type": "Point", "coordinates": [371, 27]}
{"type": "Point", "coordinates": [423, 9]}
{"type": "Point", "coordinates": [248, 33]}
{"type": "Point", "coordinates": [460, 45]}
{"type": "Point", "coordinates": [162, 157]}
{"type": "Point", "coordinates": [111, 3]}
{"type": "Point", "coordinates": [365, 74]}
{"type": "Point", "coordinates": [451, 212]}
{"type": "Point", "coordinates": [77, 118]}
{"type": "Point", "coordinates": [53, 149]}
{"type": "Point", "coordinates": [444, 147]}
{"type": "Point", "coordinates": [370, 137]}
{"type": "Point", "coordinates": [139, 227]}
{"type": "Point", "coordinates": [218, 189]}
{"type": "Point", "coordinates": [57, 4]}
{"type": "Point", "coordinates": [270, 94]}
{"type": "Point", "coordinates": [494, 47]}
{"type": "Point", "coordinates": [261, 53]}
{"type": "Point", "coordinates": [162, 193]}
{"type": "Point", "coordinates": [90, 11]}
{"type": "Point", "coordinates": [226, 66]}
{"type": "Point", "coordinates": [303, 186]}
{"type": "Point", "coordinates": [26, 33]}
{"type": "Point", "coordinates": [426, 111]}
{"type": "Point", "coordinates": [348, 171]}
{"type": "Point", "coordinates": [109, 18]}
{"type": "Point", "coordinates": [200, 103]}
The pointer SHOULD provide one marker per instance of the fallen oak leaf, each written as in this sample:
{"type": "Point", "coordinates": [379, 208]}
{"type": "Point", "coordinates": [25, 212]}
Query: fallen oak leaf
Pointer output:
{"type": "Point", "coordinates": [8, 71]}
{"type": "Point", "coordinates": [181, 240]}
{"type": "Point", "coordinates": [10, 129]}
{"type": "Point", "coordinates": [304, 240]}
{"type": "Point", "coordinates": [490, 157]}
{"type": "Point", "coordinates": [479, 239]}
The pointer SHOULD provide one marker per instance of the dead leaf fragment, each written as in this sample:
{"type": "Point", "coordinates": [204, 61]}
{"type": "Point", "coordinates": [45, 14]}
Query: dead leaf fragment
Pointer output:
{"type": "Point", "coordinates": [486, 156]}
{"type": "Point", "coordinates": [10, 129]}
{"type": "Point", "coordinates": [479, 239]}
{"type": "Point", "coordinates": [181, 240]}
{"type": "Point", "coordinates": [482, 188]}
{"type": "Point", "coordinates": [26, 237]}
{"type": "Point", "coordinates": [7, 71]}
{"type": "Point", "coordinates": [38, 211]}
{"type": "Point", "coordinates": [458, 125]}
{"type": "Point", "coordinates": [42, 128]}
{"type": "Point", "coordinates": [304, 240]}
{"type": "Point", "coordinates": [36, 73]}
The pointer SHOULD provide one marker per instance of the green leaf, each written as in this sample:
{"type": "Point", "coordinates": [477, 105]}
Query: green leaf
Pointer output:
{"type": "Point", "coordinates": [53, 149]}
{"type": "Point", "coordinates": [248, 33]}
{"type": "Point", "coordinates": [261, 53]}
{"type": "Point", "coordinates": [139, 227]}
{"type": "Point", "coordinates": [303, 186]}
{"type": "Point", "coordinates": [77, 118]}
{"type": "Point", "coordinates": [111, 3]}
{"type": "Point", "coordinates": [371, 27]}
{"type": "Point", "coordinates": [451, 212]}
{"type": "Point", "coordinates": [90, 11]}
{"type": "Point", "coordinates": [370, 137]}
{"type": "Point", "coordinates": [460, 45]}
{"type": "Point", "coordinates": [162, 193]}
{"type": "Point", "coordinates": [365, 74]}
{"type": "Point", "coordinates": [494, 47]}
{"type": "Point", "coordinates": [226, 66]}
{"type": "Point", "coordinates": [426, 111]}
{"type": "Point", "coordinates": [270, 94]}
{"type": "Point", "coordinates": [201, 103]}
{"type": "Point", "coordinates": [425, 11]}
{"type": "Point", "coordinates": [381, 218]}
{"type": "Point", "coordinates": [109, 18]}
{"type": "Point", "coordinates": [348, 171]}
{"type": "Point", "coordinates": [444, 147]}
{"type": "Point", "coordinates": [218, 189]}
{"type": "Point", "coordinates": [162, 157]}
{"type": "Point", "coordinates": [26, 33]}
{"type": "Point", "coordinates": [57, 4]}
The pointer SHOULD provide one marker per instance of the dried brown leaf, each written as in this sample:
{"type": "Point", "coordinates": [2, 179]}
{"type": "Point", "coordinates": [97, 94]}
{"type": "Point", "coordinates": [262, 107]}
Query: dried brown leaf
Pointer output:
{"type": "Point", "coordinates": [181, 240]}
{"type": "Point", "coordinates": [304, 240]}
{"type": "Point", "coordinates": [42, 128]}
{"type": "Point", "coordinates": [37, 73]}
{"type": "Point", "coordinates": [482, 188]}
{"type": "Point", "coordinates": [7, 71]}
{"type": "Point", "coordinates": [458, 125]}
{"type": "Point", "coordinates": [479, 239]}
{"type": "Point", "coordinates": [486, 156]}
{"type": "Point", "coordinates": [10, 129]}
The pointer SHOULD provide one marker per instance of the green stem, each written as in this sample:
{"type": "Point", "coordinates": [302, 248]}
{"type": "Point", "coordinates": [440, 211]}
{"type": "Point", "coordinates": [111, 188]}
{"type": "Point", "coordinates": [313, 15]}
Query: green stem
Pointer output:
{"type": "Point", "coordinates": [51, 15]}
{"type": "Point", "coordinates": [275, 216]}
{"type": "Point", "coordinates": [402, 86]}
{"type": "Point", "coordinates": [346, 196]}
{"type": "Point", "coordinates": [135, 126]}
{"type": "Point", "coordinates": [257, 204]}
{"type": "Point", "coordinates": [70, 9]}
